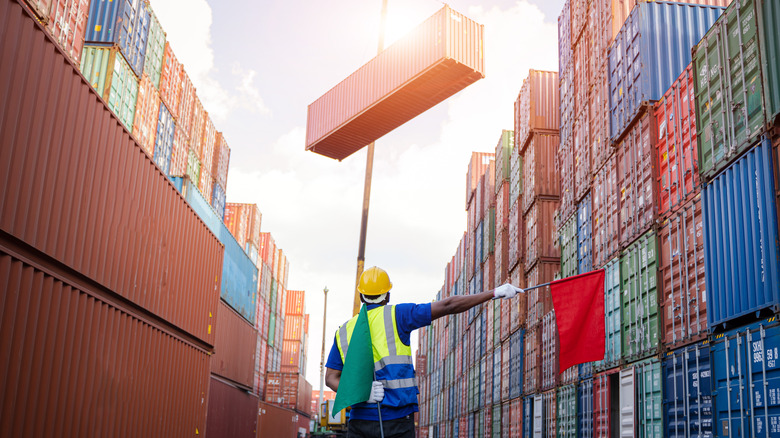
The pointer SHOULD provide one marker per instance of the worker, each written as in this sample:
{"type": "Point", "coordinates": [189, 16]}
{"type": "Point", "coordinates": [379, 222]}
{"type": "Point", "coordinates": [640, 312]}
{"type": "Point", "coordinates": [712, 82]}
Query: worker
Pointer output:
{"type": "Point", "coordinates": [394, 386]}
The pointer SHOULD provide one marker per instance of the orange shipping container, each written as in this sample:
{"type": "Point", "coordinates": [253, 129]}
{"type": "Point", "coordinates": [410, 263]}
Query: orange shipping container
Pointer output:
{"type": "Point", "coordinates": [208, 138]}
{"type": "Point", "coordinates": [147, 108]}
{"type": "Point", "coordinates": [186, 103]}
{"type": "Point", "coordinates": [540, 175]}
{"type": "Point", "coordinates": [196, 127]}
{"type": "Point", "coordinates": [291, 356]}
{"type": "Point", "coordinates": [170, 82]}
{"type": "Point", "coordinates": [541, 238]}
{"type": "Point", "coordinates": [537, 106]}
{"type": "Point", "coordinates": [601, 145]}
{"type": "Point", "coordinates": [606, 206]}
{"type": "Point", "coordinates": [267, 248]}
{"type": "Point", "coordinates": [219, 166]}
{"type": "Point", "coordinates": [442, 56]}
{"type": "Point", "coordinates": [478, 165]}
{"type": "Point", "coordinates": [293, 328]}
{"type": "Point", "coordinates": [234, 348]}
{"type": "Point", "coordinates": [295, 302]}
{"type": "Point", "coordinates": [181, 150]}
{"type": "Point", "coordinates": [236, 222]}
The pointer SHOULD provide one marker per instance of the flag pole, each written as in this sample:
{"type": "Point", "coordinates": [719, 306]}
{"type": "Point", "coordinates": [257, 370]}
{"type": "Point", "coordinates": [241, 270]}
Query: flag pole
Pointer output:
{"type": "Point", "coordinates": [533, 287]}
{"type": "Point", "coordinates": [379, 411]}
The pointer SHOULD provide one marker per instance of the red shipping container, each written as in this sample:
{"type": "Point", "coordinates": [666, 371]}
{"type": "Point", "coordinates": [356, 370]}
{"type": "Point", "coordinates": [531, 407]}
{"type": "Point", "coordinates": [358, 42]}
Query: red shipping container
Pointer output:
{"type": "Point", "coordinates": [478, 165]}
{"type": "Point", "coordinates": [186, 103]}
{"type": "Point", "coordinates": [602, 403]}
{"type": "Point", "coordinates": [636, 169]}
{"type": "Point", "coordinates": [444, 55]}
{"type": "Point", "coordinates": [599, 35]}
{"type": "Point", "coordinates": [196, 128]}
{"type": "Point", "coordinates": [66, 21]}
{"type": "Point", "coordinates": [532, 360]}
{"type": "Point", "coordinates": [261, 353]}
{"type": "Point", "coordinates": [606, 207]}
{"type": "Point", "coordinates": [579, 18]}
{"type": "Point", "coordinates": [678, 171]}
{"type": "Point", "coordinates": [582, 73]}
{"type": "Point", "coordinates": [487, 369]}
{"type": "Point", "coordinates": [550, 377]}
{"type": "Point", "coordinates": [488, 327]}
{"type": "Point", "coordinates": [541, 178]}
{"type": "Point", "coordinates": [180, 152]}
{"type": "Point", "coordinates": [487, 419]}
{"type": "Point", "coordinates": [236, 340]}
{"type": "Point", "coordinates": [507, 421]}
{"type": "Point", "coordinates": [537, 106]}
{"type": "Point", "coordinates": [276, 421]}
{"type": "Point", "coordinates": [541, 237]}
{"type": "Point", "coordinates": [221, 160]}
{"type": "Point", "coordinates": [517, 309]}
{"type": "Point", "coordinates": [266, 248]}
{"type": "Point", "coordinates": [232, 411]}
{"type": "Point", "coordinates": [683, 288]}
{"type": "Point", "coordinates": [565, 166]}
{"type": "Point", "coordinates": [502, 206]}
{"type": "Point", "coordinates": [600, 142]}
{"type": "Point", "coordinates": [582, 148]}
{"type": "Point", "coordinates": [145, 121]}
{"type": "Point", "coordinates": [295, 302]}
{"type": "Point", "coordinates": [539, 300]}
{"type": "Point", "coordinates": [170, 81]}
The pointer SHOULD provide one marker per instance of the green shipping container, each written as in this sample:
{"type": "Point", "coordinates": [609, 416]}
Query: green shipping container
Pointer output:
{"type": "Point", "coordinates": [271, 329]}
{"type": "Point", "coordinates": [496, 421]}
{"type": "Point", "coordinates": [503, 155]}
{"type": "Point", "coordinates": [638, 286]}
{"type": "Point", "coordinates": [613, 320]}
{"type": "Point", "coordinates": [730, 113]}
{"type": "Point", "coordinates": [155, 49]}
{"type": "Point", "coordinates": [567, 236]}
{"type": "Point", "coordinates": [479, 420]}
{"type": "Point", "coordinates": [193, 167]}
{"type": "Point", "coordinates": [567, 412]}
{"type": "Point", "coordinates": [109, 74]}
{"type": "Point", "coordinates": [769, 41]}
{"type": "Point", "coordinates": [649, 399]}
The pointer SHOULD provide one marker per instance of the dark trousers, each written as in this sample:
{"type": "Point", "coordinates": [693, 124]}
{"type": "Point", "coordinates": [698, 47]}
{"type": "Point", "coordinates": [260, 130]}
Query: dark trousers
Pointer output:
{"type": "Point", "coordinates": [398, 428]}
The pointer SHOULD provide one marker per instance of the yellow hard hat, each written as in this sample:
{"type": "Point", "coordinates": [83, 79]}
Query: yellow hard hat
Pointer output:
{"type": "Point", "coordinates": [374, 281]}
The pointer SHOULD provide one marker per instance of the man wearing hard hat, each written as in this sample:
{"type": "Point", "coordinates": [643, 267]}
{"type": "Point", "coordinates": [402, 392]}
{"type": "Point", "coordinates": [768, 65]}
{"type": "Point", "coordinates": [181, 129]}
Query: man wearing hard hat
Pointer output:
{"type": "Point", "coordinates": [394, 388]}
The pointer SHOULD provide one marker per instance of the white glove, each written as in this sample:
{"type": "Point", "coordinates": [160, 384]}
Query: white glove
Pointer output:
{"type": "Point", "coordinates": [506, 291]}
{"type": "Point", "coordinates": [377, 392]}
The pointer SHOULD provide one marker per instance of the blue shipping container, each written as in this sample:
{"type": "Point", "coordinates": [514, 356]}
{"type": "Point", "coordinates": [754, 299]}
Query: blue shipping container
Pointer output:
{"type": "Point", "coordinates": [584, 236]}
{"type": "Point", "coordinates": [121, 22]}
{"type": "Point", "coordinates": [649, 52]}
{"type": "Point", "coordinates": [528, 417]}
{"type": "Point", "coordinates": [746, 380]}
{"type": "Point", "coordinates": [516, 343]}
{"type": "Point", "coordinates": [687, 391]}
{"type": "Point", "coordinates": [239, 274]}
{"type": "Point", "coordinates": [163, 143]}
{"type": "Point", "coordinates": [218, 199]}
{"type": "Point", "coordinates": [741, 238]}
{"type": "Point", "coordinates": [585, 409]}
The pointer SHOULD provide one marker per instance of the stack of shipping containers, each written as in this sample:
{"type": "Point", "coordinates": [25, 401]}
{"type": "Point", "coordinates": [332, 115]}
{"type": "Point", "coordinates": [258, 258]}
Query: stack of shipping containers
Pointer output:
{"type": "Point", "coordinates": [661, 168]}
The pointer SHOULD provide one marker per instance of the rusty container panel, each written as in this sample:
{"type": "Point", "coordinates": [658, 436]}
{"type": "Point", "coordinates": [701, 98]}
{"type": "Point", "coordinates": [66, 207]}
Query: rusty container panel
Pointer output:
{"type": "Point", "coordinates": [540, 235]}
{"type": "Point", "coordinates": [606, 208]}
{"type": "Point", "coordinates": [66, 21]}
{"type": "Point", "coordinates": [676, 154]}
{"type": "Point", "coordinates": [502, 206]}
{"type": "Point", "coordinates": [564, 37]}
{"type": "Point", "coordinates": [196, 127]}
{"type": "Point", "coordinates": [275, 421]}
{"type": "Point", "coordinates": [478, 165]}
{"type": "Point", "coordinates": [180, 153]}
{"type": "Point", "coordinates": [78, 351]}
{"type": "Point", "coordinates": [501, 257]}
{"type": "Point", "coordinates": [442, 56]}
{"type": "Point", "coordinates": [550, 377]}
{"type": "Point", "coordinates": [145, 121]}
{"type": "Point", "coordinates": [579, 18]}
{"type": "Point", "coordinates": [295, 302]}
{"type": "Point", "coordinates": [582, 158]}
{"type": "Point", "coordinates": [567, 99]}
{"type": "Point", "coordinates": [186, 103]}
{"type": "Point", "coordinates": [234, 356]}
{"type": "Point", "coordinates": [565, 166]}
{"type": "Point", "coordinates": [600, 143]}
{"type": "Point", "coordinates": [683, 293]}
{"type": "Point", "coordinates": [106, 207]}
{"type": "Point", "coordinates": [600, 33]}
{"type": "Point", "coordinates": [637, 183]}
{"type": "Point", "coordinates": [540, 176]}
{"type": "Point", "coordinates": [537, 106]}
{"type": "Point", "coordinates": [539, 301]}
{"type": "Point", "coordinates": [582, 73]}
{"type": "Point", "coordinates": [221, 160]}
{"type": "Point", "coordinates": [532, 360]}
{"type": "Point", "coordinates": [170, 82]}
{"type": "Point", "coordinates": [232, 411]}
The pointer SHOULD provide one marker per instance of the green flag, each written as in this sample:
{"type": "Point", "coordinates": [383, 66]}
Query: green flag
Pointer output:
{"type": "Point", "coordinates": [358, 371]}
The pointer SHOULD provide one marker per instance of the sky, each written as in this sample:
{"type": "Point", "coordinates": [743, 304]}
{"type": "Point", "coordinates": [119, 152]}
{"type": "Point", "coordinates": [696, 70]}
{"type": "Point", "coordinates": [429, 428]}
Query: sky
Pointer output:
{"type": "Point", "coordinates": [257, 65]}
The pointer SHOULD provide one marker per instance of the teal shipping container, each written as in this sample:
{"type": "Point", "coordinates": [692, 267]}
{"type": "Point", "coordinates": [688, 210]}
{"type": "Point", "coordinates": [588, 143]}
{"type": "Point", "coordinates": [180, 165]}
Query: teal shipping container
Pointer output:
{"type": "Point", "coordinates": [567, 412]}
{"type": "Point", "coordinates": [110, 75]}
{"type": "Point", "coordinates": [769, 42]}
{"type": "Point", "coordinates": [569, 247]}
{"type": "Point", "coordinates": [155, 48]}
{"type": "Point", "coordinates": [613, 324]}
{"type": "Point", "coordinates": [239, 274]}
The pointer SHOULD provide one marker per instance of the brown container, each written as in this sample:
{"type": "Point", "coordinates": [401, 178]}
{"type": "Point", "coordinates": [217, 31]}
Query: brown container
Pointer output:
{"type": "Point", "coordinates": [582, 73]}
{"type": "Point", "coordinates": [437, 59]}
{"type": "Point", "coordinates": [600, 142]}
{"type": "Point", "coordinates": [232, 411]}
{"type": "Point", "coordinates": [541, 178]}
{"type": "Point", "coordinates": [519, 304]}
{"type": "Point", "coordinates": [80, 361]}
{"type": "Point", "coordinates": [539, 301]}
{"type": "Point", "coordinates": [683, 289]}
{"type": "Point", "coordinates": [288, 390]}
{"type": "Point", "coordinates": [606, 208]}
{"type": "Point", "coordinates": [579, 17]}
{"type": "Point", "coordinates": [276, 421]}
{"type": "Point", "coordinates": [565, 166]}
{"type": "Point", "coordinates": [532, 360]}
{"type": "Point", "coordinates": [119, 220]}
{"type": "Point", "coordinates": [582, 162]}
{"type": "Point", "coordinates": [502, 207]}
{"type": "Point", "coordinates": [541, 236]}
{"type": "Point", "coordinates": [637, 185]}
{"type": "Point", "coordinates": [501, 257]}
{"type": "Point", "coordinates": [170, 81]}
{"type": "Point", "coordinates": [537, 106]}
{"type": "Point", "coordinates": [147, 109]}
{"type": "Point", "coordinates": [234, 349]}
{"type": "Point", "coordinates": [550, 378]}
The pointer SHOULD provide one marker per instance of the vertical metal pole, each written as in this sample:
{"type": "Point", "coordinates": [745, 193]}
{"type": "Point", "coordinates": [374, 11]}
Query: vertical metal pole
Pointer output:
{"type": "Point", "coordinates": [367, 185]}
{"type": "Point", "coordinates": [322, 355]}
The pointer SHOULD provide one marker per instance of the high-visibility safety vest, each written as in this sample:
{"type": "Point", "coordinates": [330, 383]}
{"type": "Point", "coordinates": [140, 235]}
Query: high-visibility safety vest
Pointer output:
{"type": "Point", "coordinates": [392, 358]}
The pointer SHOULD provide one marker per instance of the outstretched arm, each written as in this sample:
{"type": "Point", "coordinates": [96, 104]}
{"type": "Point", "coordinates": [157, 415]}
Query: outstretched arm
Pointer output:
{"type": "Point", "coordinates": [462, 303]}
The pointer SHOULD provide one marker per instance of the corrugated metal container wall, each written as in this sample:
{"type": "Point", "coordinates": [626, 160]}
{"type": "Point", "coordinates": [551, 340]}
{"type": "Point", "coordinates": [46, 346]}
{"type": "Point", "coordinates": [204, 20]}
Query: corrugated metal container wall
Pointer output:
{"type": "Point", "coordinates": [155, 50]}
{"type": "Point", "coordinates": [585, 413]}
{"type": "Point", "coordinates": [582, 166]}
{"type": "Point", "coordinates": [125, 23]}
{"type": "Point", "coordinates": [602, 406]}
{"type": "Point", "coordinates": [651, 50]}
{"type": "Point", "coordinates": [261, 356]}
{"type": "Point", "coordinates": [232, 411]}
{"type": "Point", "coordinates": [445, 54]}
{"type": "Point", "coordinates": [549, 403]}
{"type": "Point", "coordinates": [584, 236]}
{"type": "Point", "coordinates": [564, 37]}
{"type": "Point", "coordinates": [569, 248]}
{"type": "Point", "coordinates": [218, 203]}
{"type": "Point", "coordinates": [109, 74]}
{"type": "Point", "coordinates": [147, 109]}
{"type": "Point", "coordinates": [683, 289]}
{"type": "Point", "coordinates": [234, 348]}
{"type": "Point", "coordinates": [515, 176]}
{"type": "Point", "coordinates": [71, 344]}
{"type": "Point", "coordinates": [740, 238]}
{"type": "Point", "coordinates": [219, 167]}
{"type": "Point", "coordinates": [503, 153]}
{"type": "Point", "coordinates": [275, 421]}
{"type": "Point", "coordinates": [627, 403]}
{"type": "Point", "coordinates": [515, 236]}
{"type": "Point", "coordinates": [638, 282]}
{"type": "Point", "coordinates": [600, 141]}
{"type": "Point", "coordinates": [769, 43]}
{"type": "Point", "coordinates": [537, 106]}
{"type": "Point", "coordinates": [539, 301]}
{"type": "Point", "coordinates": [295, 302]}
{"type": "Point", "coordinates": [66, 21]}
{"type": "Point", "coordinates": [676, 155]}
{"type": "Point", "coordinates": [170, 82]}
{"type": "Point", "coordinates": [567, 411]}
{"type": "Point", "coordinates": [532, 360]}
{"type": "Point", "coordinates": [478, 165]}
{"type": "Point", "coordinates": [606, 209]}
{"type": "Point", "coordinates": [582, 78]}
{"type": "Point", "coordinates": [565, 166]}
{"type": "Point", "coordinates": [291, 357]}
{"type": "Point", "coordinates": [163, 143]}
{"type": "Point", "coordinates": [649, 399]}
{"type": "Point", "coordinates": [540, 236]}
{"type": "Point", "coordinates": [186, 103]}
{"type": "Point", "coordinates": [636, 169]}
{"type": "Point", "coordinates": [729, 106]}
{"type": "Point", "coordinates": [579, 15]}
{"type": "Point", "coordinates": [567, 98]}
{"type": "Point", "coordinates": [550, 369]}
{"type": "Point", "coordinates": [755, 348]}
{"type": "Point", "coordinates": [516, 359]}
{"type": "Point", "coordinates": [540, 175]}
{"type": "Point", "coordinates": [33, 158]}
{"type": "Point", "coordinates": [196, 127]}
{"type": "Point", "coordinates": [209, 137]}
{"type": "Point", "coordinates": [687, 390]}
{"type": "Point", "coordinates": [180, 153]}
{"type": "Point", "coordinates": [193, 165]}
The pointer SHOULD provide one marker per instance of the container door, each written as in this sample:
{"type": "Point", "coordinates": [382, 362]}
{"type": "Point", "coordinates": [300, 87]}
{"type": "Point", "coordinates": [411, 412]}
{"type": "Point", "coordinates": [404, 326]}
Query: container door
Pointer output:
{"type": "Point", "coordinates": [627, 403]}
{"type": "Point", "coordinates": [538, 412]}
{"type": "Point", "coordinates": [585, 409]}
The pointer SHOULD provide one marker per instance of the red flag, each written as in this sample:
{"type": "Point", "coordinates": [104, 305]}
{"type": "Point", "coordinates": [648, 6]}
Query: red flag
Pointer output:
{"type": "Point", "coordinates": [579, 313]}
